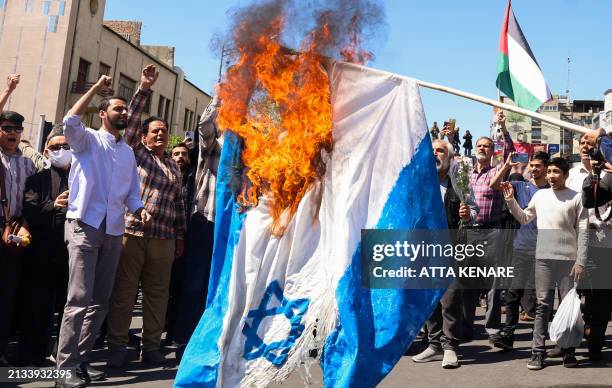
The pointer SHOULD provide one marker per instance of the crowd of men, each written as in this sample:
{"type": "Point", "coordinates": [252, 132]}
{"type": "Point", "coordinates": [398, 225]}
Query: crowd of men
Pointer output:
{"type": "Point", "coordinates": [102, 213]}
{"type": "Point", "coordinates": [550, 223]}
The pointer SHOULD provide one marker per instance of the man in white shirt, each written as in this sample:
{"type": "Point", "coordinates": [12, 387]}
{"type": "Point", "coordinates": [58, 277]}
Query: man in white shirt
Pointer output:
{"type": "Point", "coordinates": [581, 171]}
{"type": "Point", "coordinates": [560, 249]}
{"type": "Point", "coordinates": [103, 182]}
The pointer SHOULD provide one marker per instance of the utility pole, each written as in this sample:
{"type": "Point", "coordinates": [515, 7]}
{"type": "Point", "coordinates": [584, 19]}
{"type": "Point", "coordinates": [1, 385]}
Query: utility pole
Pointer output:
{"type": "Point", "coordinates": [221, 62]}
{"type": "Point", "coordinates": [569, 103]}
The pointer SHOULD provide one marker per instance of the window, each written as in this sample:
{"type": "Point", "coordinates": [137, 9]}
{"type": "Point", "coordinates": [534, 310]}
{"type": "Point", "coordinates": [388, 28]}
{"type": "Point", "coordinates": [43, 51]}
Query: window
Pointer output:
{"type": "Point", "coordinates": [167, 111]}
{"type": "Point", "coordinates": [163, 108]}
{"type": "Point", "coordinates": [104, 69]}
{"type": "Point", "coordinates": [536, 133]}
{"type": "Point", "coordinates": [83, 72]}
{"type": "Point", "coordinates": [550, 108]}
{"type": "Point", "coordinates": [147, 107]}
{"type": "Point", "coordinates": [127, 86]}
{"type": "Point", "coordinates": [160, 106]}
{"type": "Point", "coordinates": [188, 120]}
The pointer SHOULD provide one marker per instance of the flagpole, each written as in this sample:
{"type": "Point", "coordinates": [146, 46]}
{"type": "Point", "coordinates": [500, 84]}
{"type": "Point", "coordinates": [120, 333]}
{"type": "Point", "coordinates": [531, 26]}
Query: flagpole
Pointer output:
{"type": "Point", "coordinates": [508, 107]}
{"type": "Point", "coordinates": [484, 100]}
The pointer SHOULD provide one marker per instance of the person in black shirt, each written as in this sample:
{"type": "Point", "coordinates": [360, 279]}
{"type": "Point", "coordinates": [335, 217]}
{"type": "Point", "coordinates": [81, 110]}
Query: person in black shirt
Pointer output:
{"type": "Point", "coordinates": [467, 143]}
{"type": "Point", "coordinates": [182, 155]}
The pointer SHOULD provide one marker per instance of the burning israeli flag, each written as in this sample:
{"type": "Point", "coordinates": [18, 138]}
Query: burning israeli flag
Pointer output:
{"type": "Point", "coordinates": [311, 156]}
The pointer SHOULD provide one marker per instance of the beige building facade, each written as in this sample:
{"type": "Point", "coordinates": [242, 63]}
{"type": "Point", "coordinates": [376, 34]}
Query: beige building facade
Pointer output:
{"type": "Point", "coordinates": [61, 47]}
{"type": "Point", "coordinates": [580, 112]}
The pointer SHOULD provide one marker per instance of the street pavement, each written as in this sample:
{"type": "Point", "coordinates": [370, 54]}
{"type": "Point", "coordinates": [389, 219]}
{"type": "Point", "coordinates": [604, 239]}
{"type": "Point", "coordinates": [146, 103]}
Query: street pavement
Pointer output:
{"type": "Point", "coordinates": [481, 366]}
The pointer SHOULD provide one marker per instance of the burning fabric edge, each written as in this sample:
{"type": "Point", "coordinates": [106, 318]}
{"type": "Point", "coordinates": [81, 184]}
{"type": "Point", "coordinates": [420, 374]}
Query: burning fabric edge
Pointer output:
{"type": "Point", "coordinates": [278, 99]}
{"type": "Point", "coordinates": [268, 294]}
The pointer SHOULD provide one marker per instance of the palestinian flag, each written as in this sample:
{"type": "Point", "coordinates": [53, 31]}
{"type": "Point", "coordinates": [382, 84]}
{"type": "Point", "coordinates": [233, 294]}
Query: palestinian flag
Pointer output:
{"type": "Point", "coordinates": [518, 73]}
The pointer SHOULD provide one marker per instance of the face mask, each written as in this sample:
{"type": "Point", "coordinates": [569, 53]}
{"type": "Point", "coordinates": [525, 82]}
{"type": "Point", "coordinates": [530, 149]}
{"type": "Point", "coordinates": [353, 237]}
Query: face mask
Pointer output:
{"type": "Point", "coordinates": [60, 158]}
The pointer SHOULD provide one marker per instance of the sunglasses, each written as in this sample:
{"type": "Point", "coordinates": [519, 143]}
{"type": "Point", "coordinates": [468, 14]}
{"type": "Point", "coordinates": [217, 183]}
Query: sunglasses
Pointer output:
{"type": "Point", "coordinates": [11, 128]}
{"type": "Point", "coordinates": [57, 147]}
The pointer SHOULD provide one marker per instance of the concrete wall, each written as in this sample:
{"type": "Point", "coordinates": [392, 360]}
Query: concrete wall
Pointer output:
{"type": "Point", "coordinates": [34, 41]}
{"type": "Point", "coordinates": [130, 30]}
{"type": "Point", "coordinates": [194, 100]}
{"type": "Point", "coordinates": [44, 41]}
{"type": "Point", "coordinates": [162, 53]}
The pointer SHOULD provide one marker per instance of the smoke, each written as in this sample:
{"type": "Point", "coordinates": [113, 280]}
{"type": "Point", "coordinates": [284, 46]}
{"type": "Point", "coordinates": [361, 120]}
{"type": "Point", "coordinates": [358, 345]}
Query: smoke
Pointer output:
{"type": "Point", "coordinates": [275, 93]}
{"type": "Point", "coordinates": [352, 27]}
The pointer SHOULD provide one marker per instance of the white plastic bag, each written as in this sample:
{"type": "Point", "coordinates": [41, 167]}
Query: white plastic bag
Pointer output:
{"type": "Point", "coordinates": [567, 328]}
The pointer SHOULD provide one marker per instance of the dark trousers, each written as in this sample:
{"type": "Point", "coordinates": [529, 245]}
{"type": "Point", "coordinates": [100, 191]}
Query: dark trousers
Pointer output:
{"type": "Point", "coordinates": [444, 325]}
{"type": "Point", "coordinates": [196, 271]}
{"type": "Point", "coordinates": [597, 287]}
{"type": "Point", "coordinates": [10, 275]}
{"type": "Point", "coordinates": [176, 279]}
{"type": "Point", "coordinates": [473, 289]}
{"type": "Point", "coordinates": [524, 271]}
{"type": "Point", "coordinates": [44, 288]}
{"type": "Point", "coordinates": [601, 302]}
{"type": "Point", "coordinates": [528, 301]}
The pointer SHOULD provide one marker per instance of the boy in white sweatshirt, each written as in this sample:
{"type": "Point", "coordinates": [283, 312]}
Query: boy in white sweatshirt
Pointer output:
{"type": "Point", "coordinates": [560, 251]}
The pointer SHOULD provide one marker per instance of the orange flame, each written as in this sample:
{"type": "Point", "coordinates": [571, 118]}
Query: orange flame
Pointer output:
{"type": "Point", "coordinates": [280, 105]}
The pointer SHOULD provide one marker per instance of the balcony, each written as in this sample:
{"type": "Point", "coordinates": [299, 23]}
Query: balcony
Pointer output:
{"type": "Point", "coordinates": [79, 87]}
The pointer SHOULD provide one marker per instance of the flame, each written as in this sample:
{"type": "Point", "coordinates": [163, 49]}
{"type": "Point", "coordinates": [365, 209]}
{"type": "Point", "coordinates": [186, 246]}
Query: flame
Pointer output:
{"type": "Point", "coordinates": [279, 103]}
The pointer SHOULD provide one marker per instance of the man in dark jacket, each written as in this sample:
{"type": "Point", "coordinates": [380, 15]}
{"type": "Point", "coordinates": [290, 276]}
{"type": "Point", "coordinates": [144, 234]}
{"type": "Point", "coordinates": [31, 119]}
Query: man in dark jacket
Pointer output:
{"type": "Point", "coordinates": [444, 325]}
{"type": "Point", "coordinates": [183, 156]}
{"type": "Point", "coordinates": [200, 235]}
{"type": "Point", "coordinates": [597, 283]}
{"type": "Point", "coordinates": [45, 278]}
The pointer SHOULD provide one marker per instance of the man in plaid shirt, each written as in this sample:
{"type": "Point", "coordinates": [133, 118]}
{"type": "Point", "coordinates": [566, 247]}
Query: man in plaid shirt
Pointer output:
{"type": "Point", "coordinates": [148, 253]}
{"type": "Point", "coordinates": [490, 202]}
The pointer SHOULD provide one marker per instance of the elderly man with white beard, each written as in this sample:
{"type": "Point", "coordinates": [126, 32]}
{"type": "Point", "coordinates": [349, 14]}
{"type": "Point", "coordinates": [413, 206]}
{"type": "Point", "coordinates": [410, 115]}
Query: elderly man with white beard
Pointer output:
{"type": "Point", "coordinates": [444, 325]}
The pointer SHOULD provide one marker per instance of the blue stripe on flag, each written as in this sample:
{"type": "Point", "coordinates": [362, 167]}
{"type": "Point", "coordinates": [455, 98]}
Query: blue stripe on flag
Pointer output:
{"type": "Point", "coordinates": [200, 362]}
{"type": "Point", "coordinates": [376, 326]}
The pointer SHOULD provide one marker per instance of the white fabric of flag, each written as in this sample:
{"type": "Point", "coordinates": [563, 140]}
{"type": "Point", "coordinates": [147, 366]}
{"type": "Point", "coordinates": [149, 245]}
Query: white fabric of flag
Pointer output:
{"type": "Point", "coordinates": [268, 295]}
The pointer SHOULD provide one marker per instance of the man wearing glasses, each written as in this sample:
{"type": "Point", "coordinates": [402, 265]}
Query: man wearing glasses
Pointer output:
{"type": "Point", "coordinates": [14, 170]}
{"type": "Point", "coordinates": [44, 208]}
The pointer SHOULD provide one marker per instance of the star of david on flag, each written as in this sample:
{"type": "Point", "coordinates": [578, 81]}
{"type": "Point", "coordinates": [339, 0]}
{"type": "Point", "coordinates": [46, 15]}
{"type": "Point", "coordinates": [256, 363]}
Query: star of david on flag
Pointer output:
{"type": "Point", "coordinates": [275, 352]}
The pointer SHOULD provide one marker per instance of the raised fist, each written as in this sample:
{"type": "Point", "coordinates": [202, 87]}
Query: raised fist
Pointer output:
{"type": "Point", "coordinates": [12, 80]}
{"type": "Point", "coordinates": [104, 83]}
{"type": "Point", "coordinates": [148, 77]}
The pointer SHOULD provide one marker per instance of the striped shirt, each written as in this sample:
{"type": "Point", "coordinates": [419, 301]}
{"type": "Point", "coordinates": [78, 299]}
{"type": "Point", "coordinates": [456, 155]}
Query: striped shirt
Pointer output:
{"type": "Point", "coordinates": [17, 168]}
{"type": "Point", "coordinates": [160, 183]}
{"type": "Point", "coordinates": [208, 161]}
{"type": "Point", "coordinates": [488, 200]}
